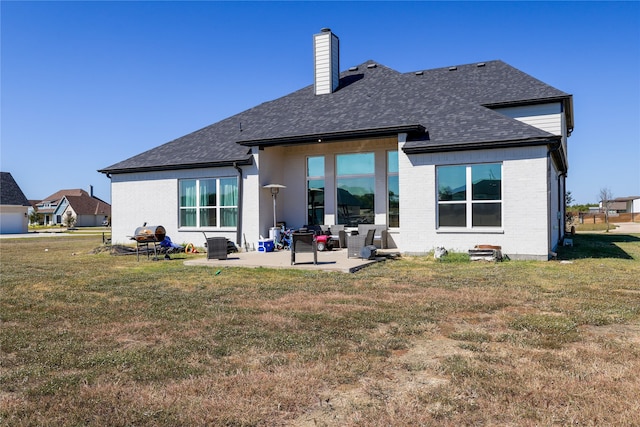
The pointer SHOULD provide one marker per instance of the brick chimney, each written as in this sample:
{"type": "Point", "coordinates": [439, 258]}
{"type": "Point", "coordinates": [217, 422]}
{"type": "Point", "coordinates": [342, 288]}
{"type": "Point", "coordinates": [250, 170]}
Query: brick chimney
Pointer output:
{"type": "Point", "coordinates": [326, 58]}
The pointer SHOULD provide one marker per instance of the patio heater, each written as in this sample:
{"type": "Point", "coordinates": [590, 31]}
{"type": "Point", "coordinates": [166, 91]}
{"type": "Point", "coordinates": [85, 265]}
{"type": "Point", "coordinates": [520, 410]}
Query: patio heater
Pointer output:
{"type": "Point", "coordinates": [274, 233]}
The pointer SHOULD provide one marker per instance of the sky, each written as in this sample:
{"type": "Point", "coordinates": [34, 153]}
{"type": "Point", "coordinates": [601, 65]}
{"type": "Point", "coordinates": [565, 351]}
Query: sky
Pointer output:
{"type": "Point", "coordinates": [84, 85]}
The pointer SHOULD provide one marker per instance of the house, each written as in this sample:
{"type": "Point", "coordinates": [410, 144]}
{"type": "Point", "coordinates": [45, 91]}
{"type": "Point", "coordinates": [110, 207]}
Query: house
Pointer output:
{"type": "Point", "coordinates": [86, 209]}
{"type": "Point", "coordinates": [452, 157]}
{"type": "Point", "coordinates": [13, 206]}
{"type": "Point", "coordinates": [620, 205]}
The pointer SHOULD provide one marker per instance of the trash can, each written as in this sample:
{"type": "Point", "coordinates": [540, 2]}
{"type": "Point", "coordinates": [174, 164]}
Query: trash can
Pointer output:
{"type": "Point", "coordinates": [274, 234]}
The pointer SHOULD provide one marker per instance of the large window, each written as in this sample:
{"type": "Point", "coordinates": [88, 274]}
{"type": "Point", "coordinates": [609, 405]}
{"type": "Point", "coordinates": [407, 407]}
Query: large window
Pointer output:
{"type": "Point", "coordinates": [315, 190]}
{"type": "Point", "coordinates": [393, 189]}
{"type": "Point", "coordinates": [209, 202]}
{"type": "Point", "coordinates": [355, 184]}
{"type": "Point", "coordinates": [470, 196]}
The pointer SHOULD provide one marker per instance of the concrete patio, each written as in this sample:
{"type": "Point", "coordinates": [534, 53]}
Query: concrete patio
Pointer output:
{"type": "Point", "coordinates": [335, 260]}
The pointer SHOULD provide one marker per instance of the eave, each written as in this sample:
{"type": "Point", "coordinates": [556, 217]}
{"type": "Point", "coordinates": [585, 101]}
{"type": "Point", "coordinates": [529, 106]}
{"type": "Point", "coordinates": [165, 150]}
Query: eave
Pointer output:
{"type": "Point", "coordinates": [335, 136]}
{"type": "Point", "coordinates": [554, 145]}
{"type": "Point", "coordinates": [159, 168]}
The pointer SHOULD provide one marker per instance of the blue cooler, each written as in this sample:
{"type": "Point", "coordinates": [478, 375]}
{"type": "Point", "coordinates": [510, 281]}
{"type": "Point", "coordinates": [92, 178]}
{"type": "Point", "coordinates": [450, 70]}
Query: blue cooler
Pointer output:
{"type": "Point", "coordinates": [266, 245]}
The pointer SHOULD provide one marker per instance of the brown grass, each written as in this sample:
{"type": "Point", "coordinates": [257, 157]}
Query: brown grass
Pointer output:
{"type": "Point", "coordinates": [93, 339]}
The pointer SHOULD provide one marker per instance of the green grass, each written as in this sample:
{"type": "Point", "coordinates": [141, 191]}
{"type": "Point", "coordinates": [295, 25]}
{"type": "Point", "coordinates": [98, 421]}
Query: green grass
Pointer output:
{"type": "Point", "coordinates": [88, 338]}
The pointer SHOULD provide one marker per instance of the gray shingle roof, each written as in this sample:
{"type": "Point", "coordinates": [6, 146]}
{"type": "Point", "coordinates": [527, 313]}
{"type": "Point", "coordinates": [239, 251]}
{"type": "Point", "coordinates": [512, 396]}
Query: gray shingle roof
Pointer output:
{"type": "Point", "coordinates": [488, 83]}
{"type": "Point", "coordinates": [440, 109]}
{"type": "Point", "coordinates": [10, 192]}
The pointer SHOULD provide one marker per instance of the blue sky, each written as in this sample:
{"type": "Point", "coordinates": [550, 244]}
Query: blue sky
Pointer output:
{"type": "Point", "coordinates": [87, 84]}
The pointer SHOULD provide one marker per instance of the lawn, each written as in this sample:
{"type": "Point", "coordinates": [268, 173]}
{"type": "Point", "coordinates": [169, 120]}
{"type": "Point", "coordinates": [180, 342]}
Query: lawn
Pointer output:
{"type": "Point", "coordinates": [92, 339]}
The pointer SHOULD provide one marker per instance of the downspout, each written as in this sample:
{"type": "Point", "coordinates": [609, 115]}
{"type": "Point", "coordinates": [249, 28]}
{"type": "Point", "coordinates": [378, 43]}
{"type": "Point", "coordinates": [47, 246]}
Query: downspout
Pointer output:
{"type": "Point", "coordinates": [240, 203]}
{"type": "Point", "coordinates": [562, 205]}
{"type": "Point", "coordinates": [553, 148]}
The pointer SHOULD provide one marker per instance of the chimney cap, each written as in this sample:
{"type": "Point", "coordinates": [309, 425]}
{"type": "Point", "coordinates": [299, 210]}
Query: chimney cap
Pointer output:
{"type": "Point", "coordinates": [325, 30]}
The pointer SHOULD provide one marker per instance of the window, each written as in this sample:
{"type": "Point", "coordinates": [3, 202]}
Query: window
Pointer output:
{"type": "Point", "coordinates": [470, 196]}
{"type": "Point", "coordinates": [315, 190]}
{"type": "Point", "coordinates": [355, 185]}
{"type": "Point", "coordinates": [393, 189]}
{"type": "Point", "coordinates": [211, 202]}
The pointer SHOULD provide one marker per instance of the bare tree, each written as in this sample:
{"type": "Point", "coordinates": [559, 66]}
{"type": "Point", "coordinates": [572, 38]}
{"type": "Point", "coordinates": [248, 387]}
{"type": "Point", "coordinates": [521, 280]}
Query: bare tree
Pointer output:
{"type": "Point", "coordinates": [605, 199]}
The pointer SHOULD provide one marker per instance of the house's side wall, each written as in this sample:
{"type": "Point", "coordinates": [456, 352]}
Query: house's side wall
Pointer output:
{"type": "Point", "coordinates": [152, 197]}
{"type": "Point", "coordinates": [524, 232]}
{"type": "Point", "coordinates": [89, 220]}
{"type": "Point", "coordinates": [13, 219]}
{"type": "Point", "coordinates": [547, 117]}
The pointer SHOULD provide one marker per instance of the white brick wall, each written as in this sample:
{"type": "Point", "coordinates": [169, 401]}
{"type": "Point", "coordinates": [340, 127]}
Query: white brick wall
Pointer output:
{"type": "Point", "coordinates": [528, 197]}
{"type": "Point", "coordinates": [524, 230]}
{"type": "Point", "coordinates": [152, 197]}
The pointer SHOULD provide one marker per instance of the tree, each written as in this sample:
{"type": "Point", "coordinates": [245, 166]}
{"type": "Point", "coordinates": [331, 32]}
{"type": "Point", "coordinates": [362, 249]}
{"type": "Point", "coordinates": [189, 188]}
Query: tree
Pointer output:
{"type": "Point", "coordinates": [35, 217]}
{"type": "Point", "coordinates": [569, 200]}
{"type": "Point", "coordinates": [605, 199]}
{"type": "Point", "coordinates": [568, 214]}
{"type": "Point", "coordinates": [69, 220]}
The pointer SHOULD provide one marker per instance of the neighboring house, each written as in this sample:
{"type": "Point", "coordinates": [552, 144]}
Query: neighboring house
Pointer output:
{"type": "Point", "coordinates": [620, 205]}
{"type": "Point", "coordinates": [452, 157]}
{"type": "Point", "coordinates": [14, 206]}
{"type": "Point", "coordinates": [88, 210]}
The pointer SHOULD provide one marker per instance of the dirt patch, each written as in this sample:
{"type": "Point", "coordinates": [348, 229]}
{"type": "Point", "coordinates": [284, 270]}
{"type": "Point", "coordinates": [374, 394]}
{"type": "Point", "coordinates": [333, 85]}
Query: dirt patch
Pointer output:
{"type": "Point", "coordinates": [409, 372]}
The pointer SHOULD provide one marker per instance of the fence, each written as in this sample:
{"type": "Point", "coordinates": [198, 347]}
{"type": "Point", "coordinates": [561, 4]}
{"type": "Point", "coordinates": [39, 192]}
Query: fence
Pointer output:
{"type": "Point", "coordinates": [599, 218]}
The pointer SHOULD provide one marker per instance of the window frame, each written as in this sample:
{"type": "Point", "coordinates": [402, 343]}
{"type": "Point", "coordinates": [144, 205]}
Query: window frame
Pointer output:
{"type": "Point", "coordinates": [369, 175]}
{"type": "Point", "coordinates": [469, 202]}
{"type": "Point", "coordinates": [390, 175]}
{"type": "Point", "coordinates": [311, 178]}
{"type": "Point", "coordinates": [218, 207]}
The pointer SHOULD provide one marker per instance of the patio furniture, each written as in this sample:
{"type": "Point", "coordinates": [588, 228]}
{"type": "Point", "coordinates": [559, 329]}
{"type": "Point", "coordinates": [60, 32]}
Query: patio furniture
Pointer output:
{"type": "Point", "coordinates": [337, 231]}
{"type": "Point", "coordinates": [303, 243]}
{"type": "Point", "coordinates": [216, 248]}
{"type": "Point", "coordinates": [357, 242]}
{"type": "Point", "coordinates": [381, 233]}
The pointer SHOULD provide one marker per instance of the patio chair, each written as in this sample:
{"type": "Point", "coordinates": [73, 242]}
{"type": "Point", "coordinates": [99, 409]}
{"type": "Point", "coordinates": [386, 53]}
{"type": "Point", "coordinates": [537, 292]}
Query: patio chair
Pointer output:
{"type": "Point", "coordinates": [357, 242]}
{"type": "Point", "coordinates": [303, 243]}
{"type": "Point", "coordinates": [381, 233]}
{"type": "Point", "coordinates": [338, 230]}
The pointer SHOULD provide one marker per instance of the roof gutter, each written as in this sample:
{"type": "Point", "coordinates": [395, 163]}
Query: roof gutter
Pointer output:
{"type": "Point", "coordinates": [438, 148]}
{"type": "Point", "coordinates": [157, 168]}
{"type": "Point", "coordinates": [334, 136]}
{"type": "Point", "coordinates": [240, 203]}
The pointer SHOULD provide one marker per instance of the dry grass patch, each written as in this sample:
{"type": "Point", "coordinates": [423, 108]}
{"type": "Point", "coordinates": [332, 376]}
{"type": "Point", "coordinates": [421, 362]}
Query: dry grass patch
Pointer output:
{"type": "Point", "coordinates": [95, 339]}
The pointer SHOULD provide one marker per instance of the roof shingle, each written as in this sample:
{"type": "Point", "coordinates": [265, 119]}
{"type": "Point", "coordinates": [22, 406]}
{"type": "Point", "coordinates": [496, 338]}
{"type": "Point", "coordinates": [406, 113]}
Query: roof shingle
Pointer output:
{"type": "Point", "coordinates": [439, 108]}
{"type": "Point", "coordinates": [10, 192]}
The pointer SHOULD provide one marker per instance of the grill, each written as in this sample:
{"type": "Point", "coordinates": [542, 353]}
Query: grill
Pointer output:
{"type": "Point", "coordinates": [149, 235]}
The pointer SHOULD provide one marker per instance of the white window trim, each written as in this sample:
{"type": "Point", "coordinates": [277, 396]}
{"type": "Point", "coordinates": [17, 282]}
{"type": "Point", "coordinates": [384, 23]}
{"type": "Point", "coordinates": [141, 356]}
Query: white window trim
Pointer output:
{"type": "Point", "coordinates": [469, 202]}
{"type": "Point", "coordinates": [315, 178]}
{"type": "Point", "coordinates": [337, 177]}
{"type": "Point", "coordinates": [217, 207]}
{"type": "Point", "coordinates": [388, 174]}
